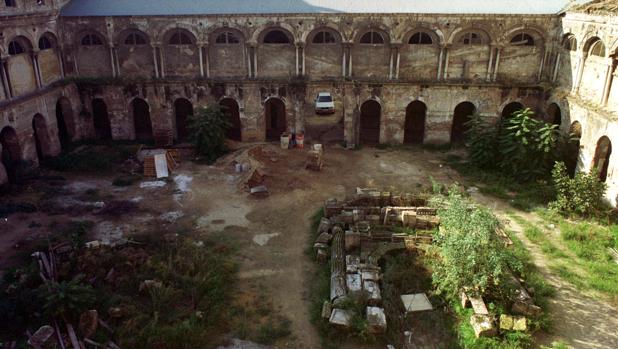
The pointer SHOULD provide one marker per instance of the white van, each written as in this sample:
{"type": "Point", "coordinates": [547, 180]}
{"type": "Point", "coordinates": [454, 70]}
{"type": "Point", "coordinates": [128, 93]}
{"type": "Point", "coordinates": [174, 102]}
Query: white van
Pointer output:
{"type": "Point", "coordinates": [324, 103]}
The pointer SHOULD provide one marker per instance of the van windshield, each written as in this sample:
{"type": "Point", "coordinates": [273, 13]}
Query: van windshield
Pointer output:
{"type": "Point", "coordinates": [325, 99]}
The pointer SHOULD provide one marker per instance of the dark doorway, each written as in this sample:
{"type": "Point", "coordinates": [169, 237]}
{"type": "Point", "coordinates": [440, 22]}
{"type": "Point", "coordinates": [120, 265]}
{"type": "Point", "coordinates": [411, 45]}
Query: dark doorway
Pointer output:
{"type": "Point", "coordinates": [414, 132]}
{"type": "Point", "coordinates": [64, 122]}
{"type": "Point", "coordinates": [276, 123]}
{"type": "Point", "coordinates": [601, 157]}
{"type": "Point", "coordinates": [572, 153]}
{"type": "Point", "coordinates": [511, 108]}
{"type": "Point", "coordinates": [554, 114]}
{"type": "Point", "coordinates": [370, 115]}
{"type": "Point", "coordinates": [462, 114]}
{"type": "Point", "coordinates": [11, 152]}
{"type": "Point", "coordinates": [141, 120]}
{"type": "Point", "coordinates": [183, 108]}
{"type": "Point", "coordinates": [102, 125]}
{"type": "Point", "coordinates": [231, 109]}
{"type": "Point", "coordinates": [41, 136]}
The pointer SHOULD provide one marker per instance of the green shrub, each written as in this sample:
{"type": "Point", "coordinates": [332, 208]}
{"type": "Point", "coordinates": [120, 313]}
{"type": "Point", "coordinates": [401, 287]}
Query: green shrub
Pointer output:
{"type": "Point", "coordinates": [66, 299]}
{"type": "Point", "coordinates": [581, 195]}
{"type": "Point", "coordinates": [208, 129]}
{"type": "Point", "coordinates": [482, 141]}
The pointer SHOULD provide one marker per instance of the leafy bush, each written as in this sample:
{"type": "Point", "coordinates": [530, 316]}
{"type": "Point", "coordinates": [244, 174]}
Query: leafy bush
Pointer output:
{"type": "Point", "coordinates": [581, 195]}
{"type": "Point", "coordinates": [482, 141]}
{"type": "Point", "coordinates": [523, 146]}
{"type": "Point", "coordinates": [208, 129]}
{"type": "Point", "coordinates": [66, 299]}
{"type": "Point", "coordinates": [469, 255]}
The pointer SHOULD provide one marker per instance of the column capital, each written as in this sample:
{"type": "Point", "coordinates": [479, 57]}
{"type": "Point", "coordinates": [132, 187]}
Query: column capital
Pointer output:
{"type": "Point", "coordinates": [301, 44]}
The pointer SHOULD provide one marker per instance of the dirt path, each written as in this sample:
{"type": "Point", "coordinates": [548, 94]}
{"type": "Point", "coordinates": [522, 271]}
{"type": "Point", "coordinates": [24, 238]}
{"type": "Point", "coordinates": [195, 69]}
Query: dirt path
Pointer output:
{"type": "Point", "coordinates": [578, 320]}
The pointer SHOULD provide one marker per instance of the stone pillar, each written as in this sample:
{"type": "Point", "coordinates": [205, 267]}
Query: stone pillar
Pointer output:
{"type": "Point", "coordinates": [200, 49]}
{"type": "Point", "coordinates": [255, 61]}
{"type": "Point", "coordinates": [60, 56]}
{"type": "Point", "coordinates": [544, 52]}
{"type": "Point", "coordinates": [491, 63]}
{"type": "Point", "coordinates": [440, 60]}
{"type": "Point", "coordinates": [296, 62]}
{"type": "Point", "coordinates": [609, 76]}
{"type": "Point", "coordinates": [155, 60]}
{"type": "Point", "coordinates": [249, 50]}
{"type": "Point", "coordinates": [34, 58]}
{"type": "Point", "coordinates": [4, 80]}
{"type": "Point", "coordinates": [497, 66]}
{"type": "Point", "coordinates": [581, 61]}
{"type": "Point", "coordinates": [447, 57]}
{"type": "Point", "coordinates": [162, 61]}
{"type": "Point", "coordinates": [397, 61]}
{"type": "Point", "coordinates": [111, 57]}
{"type": "Point", "coordinates": [350, 71]}
{"type": "Point", "coordinates": [207, 59]}
{"type": "Point", "coordinates": [304, 59]}
{"type": "Point", "coordinates": [391, 64]}
{"type": "Point", "coordinates": [556, 66]}
{"type": "Point", "coordinates": [343, 62]}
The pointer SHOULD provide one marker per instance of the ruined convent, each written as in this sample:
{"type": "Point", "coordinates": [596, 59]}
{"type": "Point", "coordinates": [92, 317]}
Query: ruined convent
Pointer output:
{"type": "Point", "coordinates": [399, 71]}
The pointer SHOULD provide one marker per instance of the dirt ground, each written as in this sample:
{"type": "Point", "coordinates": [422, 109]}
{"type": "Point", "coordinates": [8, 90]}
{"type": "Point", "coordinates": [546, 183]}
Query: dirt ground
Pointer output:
{"type": "Point", "coordinates": [272, 232]}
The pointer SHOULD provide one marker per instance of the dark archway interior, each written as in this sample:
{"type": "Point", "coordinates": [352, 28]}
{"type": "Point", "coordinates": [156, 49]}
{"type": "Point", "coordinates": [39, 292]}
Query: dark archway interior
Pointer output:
{"type": "Point", "coordinates": [183, 108]}
{"type": "Point", "coordinates": [63, 115]}
{"type": "Point", "coordinates": [575, 135]}
{"type": "Point", "coordinates": [462, 114]}
{"type": "Point", "coordinates": [554, 114]}
{"type": "Point", "coordinates": [41, 136]}
{"type": "Point", "coordinates": [414, 132]}
{"type": "Point", "coordinates": [510, 108]}
{"type": "Point", "coordinates": [11, 152]}
{"type": "Point", "coordinates": [141, 120]}
{"type": "Point", "coordinates": [370, 114]}
{"type": "Point", "coordinates": [231, 109]}
{"type": "Point", "coordinates": [602, 156]}
{"type": "Point", "coordinates": [102, 125]}
{"type": "Point", "coordinates": [276, 122]}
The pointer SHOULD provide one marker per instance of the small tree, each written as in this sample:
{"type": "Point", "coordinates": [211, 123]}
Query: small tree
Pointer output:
{"type": "Point", "coordinates": [581, 195]}
{"type": "Point", "coordinates": [468, 255]}
{"type": "Point", "coordinates": [482, 141]}
{"type": "Point", "coordinates": [208, 127]}
{"type": "Point", "coordinates": [527, 145]}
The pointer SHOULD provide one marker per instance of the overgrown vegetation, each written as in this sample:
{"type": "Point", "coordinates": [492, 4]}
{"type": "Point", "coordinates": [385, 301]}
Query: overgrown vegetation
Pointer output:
{"type": "Point", "coordinates": [582, 195]}
{"type": "Point", "coordinates": [91, 157]}
{"type": "Point", "coordinates": [208, 127]}
{"type": "Point", "coordinates": [522, 145]}
{"type": "Point", "coordinates": [159, 294]}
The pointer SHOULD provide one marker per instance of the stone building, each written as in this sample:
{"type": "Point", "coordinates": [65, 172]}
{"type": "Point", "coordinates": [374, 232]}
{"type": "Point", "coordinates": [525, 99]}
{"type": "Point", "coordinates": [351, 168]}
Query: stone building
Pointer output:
{"type": "Point", "coordinates": [399, 71]}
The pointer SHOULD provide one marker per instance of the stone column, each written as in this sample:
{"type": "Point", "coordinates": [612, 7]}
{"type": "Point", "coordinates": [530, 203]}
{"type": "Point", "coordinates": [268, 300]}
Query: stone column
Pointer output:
{"type": "Point", "coordinates": [609, 76]}
{"type": "Point", "coordinates": [200, 48]}
{"type": "Point", "coordinates": [397, 60]}
{"type": "Point", "coordinates": [556, 66]}
{"type": "Point", "coordinates": [491, 63]}
{"type": "Point", "coordinates": [255, 61]}
{"type": "Point", "coordinates": [297, 48]}
{"type": "Point", "coordinates": [162, 61]}
{"type": "Point", "coordinates": [581, 62]}
{"type": "Point", "coordinates": [111, 57]}
{"type": "Point", "coordinates": [350, 51]}
{"type": "Point", "coordinates": [497, 66]}
{"type": "Point", "coordinates": [34, 57]}
{"type": "Point", "coordinates": [440, 60]}
{"type": "Point", "coordinates": [544, 53]}
{"type": "Point", "coordinates": [343, 61]}
{"type": "Point", "coordinates": [155, 60]}
{"type": "Point", "coordinates": [207, 59]}
{"type": "Point", "coordinates": [304, 59]}
{"type": "Point", "coordinates": [4, 80]}
{"type": "Point", "coordinates": [248, 50]}
{"type": "Point", "coordinates": [391, 64]}
{"type": "Point", "coordinates": [447, 57]}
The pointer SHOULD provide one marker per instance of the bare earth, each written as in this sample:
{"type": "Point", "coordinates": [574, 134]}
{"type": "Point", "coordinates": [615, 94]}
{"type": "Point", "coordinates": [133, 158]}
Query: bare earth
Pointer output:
{"type": "Point", "coordinates": [272, 232]}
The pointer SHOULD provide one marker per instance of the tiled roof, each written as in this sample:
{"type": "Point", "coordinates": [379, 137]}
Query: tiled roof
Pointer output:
{"type": "Point", "coordinates": [211, 7]}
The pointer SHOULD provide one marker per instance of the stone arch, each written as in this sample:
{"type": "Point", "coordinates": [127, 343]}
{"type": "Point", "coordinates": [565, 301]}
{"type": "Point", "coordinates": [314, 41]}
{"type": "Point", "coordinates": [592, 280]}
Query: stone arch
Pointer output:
{"type": "Point", "coordinates": [461, 115]}
{"type": "Point", "coordinates": [170, 30]}
{"type": "Point", "coordinates": [459, 32]}
{"type": "Point", "coordinates": [100, 118]}
{"type": "Point", "coordinates": [214, 33]}
{"type": "Point", "coordinates": [271, 30]}
{"type": "Point", "coordinates": [554, 114]}
{"type": "Point", "coordinates": [183, 108]}
{"type": "Point", "coordinates": [181, 53]}
{"type": "Point", "coordinates": [602, 156]}
{"type": "Point", "coordinates": [534, 32]}
{"type": "Point", "coordinates": [414, 129]}
{"type": "Point", "coordinates": [370, 122]}
{"type": "Point", "coordinates": [594, 46]}
{"type": "Point", "coordinates": [142, 124]}
{"type": "Point", "coordinates": [436, 36]}
{"type": "Point", "coordinates": [230, 107]}
{"type": "Point", "coordinates": [383, 33]}
{"type": "Point", "coordinates": [311, 36]}
{"type": "Point", "coordinates": [226, 42]}
{"type": "Point", "coordinates": [259, 33]}
{"type": "Point", "coordinates": [80, 37]}
{"type": "Point", "coordinates": [49, 36]}
{"type": "Point", "coordinates": [24, 43]}
{"type": "Point", "coordinates": [324, 50]}
{"type": "Point", "coordinates": [275, 118]}
{"type": "Point", "coordinates": [41, 136]}
{"type": "Point", "coordinates": [65, 122]}
{"type": "Point", "coordinates": [572, 156]}
{"type": "Point", "coordinates": [11, 152]}
{"type": "Point", "coordinates": [92, 54]}
{"type": "Point", "coordinates": [569, 42]}
{"type": "Point", "coordinates": [510, 108]}
{"type": "Point", "coordinates": [122, 36]}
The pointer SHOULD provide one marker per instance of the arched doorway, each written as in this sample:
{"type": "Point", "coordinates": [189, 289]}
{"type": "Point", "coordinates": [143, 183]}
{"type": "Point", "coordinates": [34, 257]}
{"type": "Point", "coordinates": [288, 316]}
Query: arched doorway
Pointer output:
{"type": "Point", "coordinates": [100, 118]}
{"type": "Point", "coordinates": [554, 115]}
{"type": "Point", "coordinates": [275, 119]}
{"type": "Point", "coordinates": [572, 151]}
{"type": "Point", "coordinates": [183, 109]}
{"type": "Point", "coordinates": [231, 109]}
{"type": "Point", "coordinates": [511, 108]}
{"type": "Point", "coordinates": [141, 120]}
{"type": "Point", "coordinates": [414, 132]}
{"type": "Point", "coordinates": [370, 114]}
{"type": "Point", "coordinates": [601, 157]}
{"type": "Point", "coordinates": [41, 136]}
{"type": "Point", "coordinates": [462, 114]}
{"type": "Point", "coordinates": [11, 152]}
{"type": "Point", "coordinates": [65, 122]}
